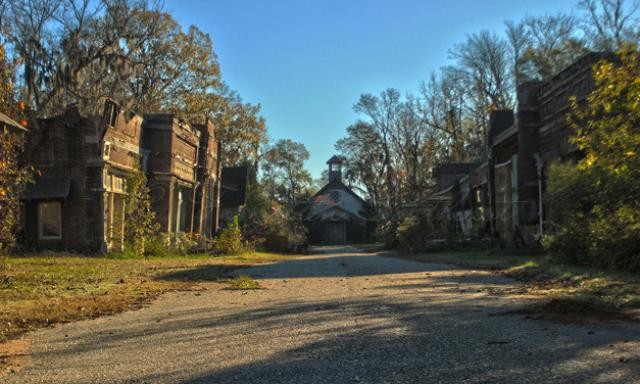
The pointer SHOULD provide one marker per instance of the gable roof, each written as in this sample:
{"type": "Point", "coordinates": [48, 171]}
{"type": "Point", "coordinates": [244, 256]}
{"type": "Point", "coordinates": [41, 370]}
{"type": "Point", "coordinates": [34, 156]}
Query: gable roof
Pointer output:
{"type": "Point", "coordinates": [334, 208]}
{"type": "Point", "coordinates": [336, 184]}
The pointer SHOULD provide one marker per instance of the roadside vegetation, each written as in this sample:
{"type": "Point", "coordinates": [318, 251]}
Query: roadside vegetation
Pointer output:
{"type": "Point", "coordinates": [41, 290]}
{"type": "Point", "coordinates": [243, 283]}
{"type": "Point", "coordinates": [566, 292]}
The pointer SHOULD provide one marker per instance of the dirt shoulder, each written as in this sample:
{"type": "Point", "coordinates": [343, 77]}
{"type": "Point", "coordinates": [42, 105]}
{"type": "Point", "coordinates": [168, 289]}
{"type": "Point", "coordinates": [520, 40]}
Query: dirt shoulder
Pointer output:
{"type": "Point", "coordinates": [565, 293]}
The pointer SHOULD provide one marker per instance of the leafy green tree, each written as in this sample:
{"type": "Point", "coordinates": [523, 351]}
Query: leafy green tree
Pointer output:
{"type": "Point", "coordinates": [284, 174]}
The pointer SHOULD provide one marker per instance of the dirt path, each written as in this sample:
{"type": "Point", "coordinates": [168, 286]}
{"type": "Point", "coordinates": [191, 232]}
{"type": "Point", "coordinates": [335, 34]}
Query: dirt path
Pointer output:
{"type": "Point", "coordinates": [338, 317]}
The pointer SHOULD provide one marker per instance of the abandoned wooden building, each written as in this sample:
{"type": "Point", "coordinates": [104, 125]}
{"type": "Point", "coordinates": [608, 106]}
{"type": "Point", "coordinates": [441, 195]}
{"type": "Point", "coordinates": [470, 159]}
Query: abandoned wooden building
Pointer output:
{"type": "Point", "coordinates": [505, 197]}
{"type": "Point", "coordinates": [78, 199]}
{"type": "Point", "coordinates": [522, 147]}
{"type": "Point", "coordinates": [336, 214]}
{"type": "Point", "coordinates": [172, 148]}
{"type": "Point", "coordinates": [206, 216]}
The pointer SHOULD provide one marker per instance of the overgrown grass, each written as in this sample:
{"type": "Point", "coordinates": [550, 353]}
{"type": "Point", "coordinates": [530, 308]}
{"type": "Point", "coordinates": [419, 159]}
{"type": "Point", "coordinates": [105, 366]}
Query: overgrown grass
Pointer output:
{"type": "Point", "coordinates": [40, 290]}
{"type": "Point", "coordinates": [565, 291]}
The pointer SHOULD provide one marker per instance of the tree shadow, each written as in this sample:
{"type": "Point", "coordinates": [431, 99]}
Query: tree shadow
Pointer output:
{"type": "Point", "coordinates": [370, 339]}
{"type": "Point", "coordinates": [205, 273]}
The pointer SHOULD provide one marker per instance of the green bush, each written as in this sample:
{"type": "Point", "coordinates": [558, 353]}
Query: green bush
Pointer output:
{"type": "Point", "coordinates": [415, 231]}
{"type": "Point", "coordinates": [591, 219]}
{"type": "Point", "coordinates": [229, 241]}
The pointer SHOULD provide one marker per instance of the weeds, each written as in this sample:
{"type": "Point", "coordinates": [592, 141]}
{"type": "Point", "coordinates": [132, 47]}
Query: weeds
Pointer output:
{"type": "Point", "coordinates": [243, 283]}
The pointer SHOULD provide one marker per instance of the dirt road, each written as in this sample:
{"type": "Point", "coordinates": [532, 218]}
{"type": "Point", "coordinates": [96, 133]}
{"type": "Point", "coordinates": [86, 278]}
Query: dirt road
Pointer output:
{"type": "Point", "coordinates": [337, 317]}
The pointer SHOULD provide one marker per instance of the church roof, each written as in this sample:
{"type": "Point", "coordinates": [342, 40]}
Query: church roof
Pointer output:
{"type": "Point", "coordinates": [336, 184]}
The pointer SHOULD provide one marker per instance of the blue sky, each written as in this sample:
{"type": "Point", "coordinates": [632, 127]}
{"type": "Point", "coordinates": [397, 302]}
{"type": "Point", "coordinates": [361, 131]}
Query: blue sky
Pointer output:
{"type": "Point", "coordinates": [307, 62]}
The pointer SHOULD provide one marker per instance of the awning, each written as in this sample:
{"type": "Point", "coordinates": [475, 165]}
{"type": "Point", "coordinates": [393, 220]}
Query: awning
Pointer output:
{"type": "Point", "coordinates": [48, 189]}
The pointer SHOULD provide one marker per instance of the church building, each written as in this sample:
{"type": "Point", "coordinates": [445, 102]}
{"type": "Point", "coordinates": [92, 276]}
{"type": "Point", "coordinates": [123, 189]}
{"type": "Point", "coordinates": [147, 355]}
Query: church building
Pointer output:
{"type": "Point", "coordinates": [336, 214]}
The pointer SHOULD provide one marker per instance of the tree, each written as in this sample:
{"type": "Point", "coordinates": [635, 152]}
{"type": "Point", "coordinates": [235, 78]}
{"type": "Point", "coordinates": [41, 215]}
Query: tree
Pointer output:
{"type": "Point", "coordinates": [13, 179]}
{"type": "Point", "coordinates": [609, 23]}
{"type": "Point", "coordinates": [483, 56]}
{"type": "Point", "coordinates": [389, 153]}
{"type": "Point", "coordinates": [287, 180]}
{"type": "Point", "coordinates": [362, 151]}
{"type": "Point", "coordinates": [14, 176]}
{"type": "Point", "coordinates": [458, 114]}
{"type": "Point", "coordinates": [241, 131]}
{"type": "Point", "coordinates": [518, 39]}
{"type": "Point", "coordinates": [140, 226]}
{"type": "Point", "coordinates": [81, 51]}
{"type": "Point", "coordinates": [553, 45]}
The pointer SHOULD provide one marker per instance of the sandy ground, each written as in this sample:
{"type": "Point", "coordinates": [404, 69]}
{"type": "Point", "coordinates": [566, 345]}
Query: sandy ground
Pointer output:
{"type": "Point", "coordinates": [336, 317]}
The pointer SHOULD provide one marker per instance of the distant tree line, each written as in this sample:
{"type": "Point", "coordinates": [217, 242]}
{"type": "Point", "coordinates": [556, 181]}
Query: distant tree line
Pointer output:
{"type": "Point", "coordinates": [398, 139]}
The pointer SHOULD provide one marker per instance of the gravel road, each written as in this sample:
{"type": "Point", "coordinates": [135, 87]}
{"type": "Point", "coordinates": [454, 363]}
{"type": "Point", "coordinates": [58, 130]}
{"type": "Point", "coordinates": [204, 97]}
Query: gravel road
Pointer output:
{"type": "Point", "coordinates": [337, 317]}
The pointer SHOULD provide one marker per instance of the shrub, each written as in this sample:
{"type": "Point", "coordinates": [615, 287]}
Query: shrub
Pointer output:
{"type": "Point", "coordinates": [414, 231]}
{"type": "Point", "coordinates": [229, 241]}
{"type": "Point", "coordinates": [140, 225]}
{"type": "Point", "coordinates": [589, 221]}
{"type": "Point", "coordinates": [13, 179]}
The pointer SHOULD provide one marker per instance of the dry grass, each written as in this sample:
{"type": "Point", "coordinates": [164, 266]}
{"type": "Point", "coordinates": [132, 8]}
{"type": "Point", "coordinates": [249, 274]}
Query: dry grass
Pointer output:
{"type": "Point", "coordinates": [41, 290]}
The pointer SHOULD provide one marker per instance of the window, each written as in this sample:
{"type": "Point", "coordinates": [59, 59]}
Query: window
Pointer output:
{"type": "Point", "coordinates": [107, 151]}
{"type": "Point", "coordinates": [50, 220]}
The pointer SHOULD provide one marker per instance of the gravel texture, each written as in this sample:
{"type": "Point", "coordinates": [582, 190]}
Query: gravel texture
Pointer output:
{"type": "Point", "coordinates": [337, 317]}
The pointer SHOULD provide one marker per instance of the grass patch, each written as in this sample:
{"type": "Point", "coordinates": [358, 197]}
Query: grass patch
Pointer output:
{"type": "Point", "coordinates": [40, 290]}
{"type": "Point", "coordinates": [566, 292]}
{"type": "Point", "coordinates": [243, 283]}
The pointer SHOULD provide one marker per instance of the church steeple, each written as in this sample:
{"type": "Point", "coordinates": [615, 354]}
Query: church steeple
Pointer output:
{"type": "Point", "coordinates": [335, 169]}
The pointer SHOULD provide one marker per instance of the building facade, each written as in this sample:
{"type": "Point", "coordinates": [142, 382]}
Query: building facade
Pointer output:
{"type": "Point", "coordinates": [207, 197]}
{"type": "Point", "coordinates": [336, 214]}
{"type": "Point", "coordinates": [172, 147]}
{"type": "Point", "coordinates": [77, 201]}
{"type": "Point", "coordinates": [504, 198]}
